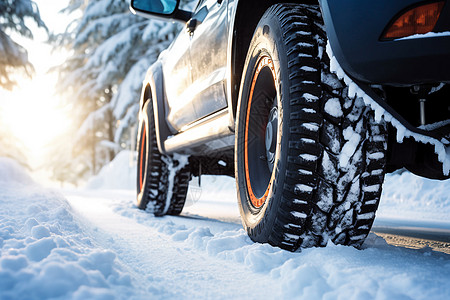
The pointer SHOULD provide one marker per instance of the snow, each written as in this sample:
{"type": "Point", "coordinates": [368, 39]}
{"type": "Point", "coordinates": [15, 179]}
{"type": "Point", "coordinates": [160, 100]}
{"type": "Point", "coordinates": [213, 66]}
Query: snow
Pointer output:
{"type": "Point", "coordinates": [353, 138]}
{"type": "Point", "coordinates": [311, 126]}
{"type": "Point", "coordinates": [309, 110]}
{"type": "Point", "coordinates": [119, 174]}
{"type": "Point", "coordinates": [175, 164]}
{"type": "Point", "coordinates": [304, 188]}
{"type": "Point", "coordinates": [308, 69]}
{"type": "Point", "coordinates": [333, 108]}
{"type": "Point", "coordinates": [44, 252]}
{"type": "Point", "coordinates": [310, 98]}
{"type": "Point", "coordinates": [308, 141]}
{"type": "Point", "coordinates": [308, 157]}
{"type": "Point", "coordinates": [96, 244]}
{"type": "Point", "coordinates": [411, 197]}
{"type": "Point", "coordinates": [426, 35]}
{"type": "Point", "coordinates": [304, 172]}
{"type": "Point", "coordinates": [12, 172]}
{"type": "Point", "coordinates": [435, 125]}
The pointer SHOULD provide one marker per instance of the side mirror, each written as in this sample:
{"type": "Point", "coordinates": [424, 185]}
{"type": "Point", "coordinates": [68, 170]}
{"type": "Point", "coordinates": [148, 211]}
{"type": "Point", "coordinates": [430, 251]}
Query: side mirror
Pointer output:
{"type": "Point", "coordinates": [160, 9]}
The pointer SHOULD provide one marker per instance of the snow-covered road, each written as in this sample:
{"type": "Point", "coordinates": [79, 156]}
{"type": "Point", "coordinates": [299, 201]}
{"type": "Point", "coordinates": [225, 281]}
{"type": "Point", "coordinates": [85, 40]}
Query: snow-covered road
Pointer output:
{"type": "Point", "coordinates": [154, 252]}
{"type": "Point", "coordinates": [196, 257]}
{"type": "Point", "coordinates": [95, 244]}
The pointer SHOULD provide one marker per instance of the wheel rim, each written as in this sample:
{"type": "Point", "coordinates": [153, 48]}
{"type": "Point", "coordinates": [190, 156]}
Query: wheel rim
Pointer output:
{"type": "Point", "coordinates": [142, 157]}
{"type": "Point", "coordinates": [261, 133]}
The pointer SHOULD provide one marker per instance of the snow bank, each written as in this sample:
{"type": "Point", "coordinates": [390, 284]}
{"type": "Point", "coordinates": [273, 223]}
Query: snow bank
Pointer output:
{"type": "Point", "coordinates": [407, 196]}
{"type": "Point", "coordinates": [12, 172]}
{"type": "Point", "coordinates": [44, 253]}
{"type": "Point", "coordinates": [120, 173]}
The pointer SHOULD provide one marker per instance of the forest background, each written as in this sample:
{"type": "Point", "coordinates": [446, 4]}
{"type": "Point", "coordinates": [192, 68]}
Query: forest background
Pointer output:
{"type": "Point", "coordinates": [106, 52]}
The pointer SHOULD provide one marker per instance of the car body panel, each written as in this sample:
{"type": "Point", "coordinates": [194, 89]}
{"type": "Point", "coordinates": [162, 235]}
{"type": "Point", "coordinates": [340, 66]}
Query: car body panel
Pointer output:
{"type": "Point", "coordinates": [208, 57]}
{"type": "Point", "coordinates": [195, 67]}
{"type": "Point", "coordinates": [176, 68]}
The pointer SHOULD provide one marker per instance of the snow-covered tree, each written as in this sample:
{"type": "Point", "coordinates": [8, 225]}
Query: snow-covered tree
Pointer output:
{"type": "Point", "coordinates": [13, 57]}
{"type": "Point", "coordinates": [111, 50]}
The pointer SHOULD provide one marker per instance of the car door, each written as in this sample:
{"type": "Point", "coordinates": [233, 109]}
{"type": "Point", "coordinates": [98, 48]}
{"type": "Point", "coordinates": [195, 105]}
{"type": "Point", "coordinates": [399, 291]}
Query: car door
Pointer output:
{"type": "Point", "coordinates": [177, 80]}
{"type": "Point", "coordinates": [209, 57]}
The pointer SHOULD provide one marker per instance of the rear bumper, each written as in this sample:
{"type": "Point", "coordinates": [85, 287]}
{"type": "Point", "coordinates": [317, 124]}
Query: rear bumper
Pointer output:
{"type": "Point", "coordinates": [354, 28]}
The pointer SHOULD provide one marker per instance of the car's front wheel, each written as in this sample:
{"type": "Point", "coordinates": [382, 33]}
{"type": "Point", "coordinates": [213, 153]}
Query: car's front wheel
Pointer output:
{"type": "Point", "coordinates": [309, 159]}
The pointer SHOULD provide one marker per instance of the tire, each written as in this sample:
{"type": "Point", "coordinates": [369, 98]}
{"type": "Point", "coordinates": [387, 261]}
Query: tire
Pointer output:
{"type": "Point", "coordinates": [309, 160]}
{"type": "Point", "coordinates": [162, 181]}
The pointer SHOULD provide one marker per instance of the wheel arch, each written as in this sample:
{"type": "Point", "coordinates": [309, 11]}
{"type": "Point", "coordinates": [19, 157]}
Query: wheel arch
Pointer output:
{"type": "Point", "coordinates": [242, 26]}
{"type": "Point", "coordinates": [153, 89]}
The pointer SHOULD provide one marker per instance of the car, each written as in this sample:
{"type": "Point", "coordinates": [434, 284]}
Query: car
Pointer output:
{"type": "Point", "coordinates": [308, 104]}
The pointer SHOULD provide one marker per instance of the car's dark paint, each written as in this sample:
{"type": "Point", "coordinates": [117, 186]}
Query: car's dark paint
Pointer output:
{"type": "Point", "coordinates": [443, 24]}
{"type": "Point", "coordinates": [197, 110]}
{"type": "Point", "coordinates": [354, 28]}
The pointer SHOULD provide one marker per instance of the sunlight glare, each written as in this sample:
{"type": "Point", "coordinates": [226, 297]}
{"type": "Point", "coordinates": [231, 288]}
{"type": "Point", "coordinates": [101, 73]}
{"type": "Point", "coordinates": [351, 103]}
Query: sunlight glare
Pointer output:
{"type": "Point", "coordinates": [33, 112]}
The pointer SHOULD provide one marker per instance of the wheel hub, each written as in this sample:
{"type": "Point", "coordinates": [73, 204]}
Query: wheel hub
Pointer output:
{"type": "Point", "coordinates": [271, 137]}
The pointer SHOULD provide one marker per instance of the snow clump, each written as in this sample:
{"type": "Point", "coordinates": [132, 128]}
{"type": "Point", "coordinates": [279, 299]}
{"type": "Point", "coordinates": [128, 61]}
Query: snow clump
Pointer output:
{"type": "Point", "coordinates": [333, 108]}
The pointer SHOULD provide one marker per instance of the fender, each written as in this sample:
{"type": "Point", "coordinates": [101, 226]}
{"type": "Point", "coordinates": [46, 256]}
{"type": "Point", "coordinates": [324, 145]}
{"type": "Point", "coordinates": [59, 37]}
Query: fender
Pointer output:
{"type": "Point", "coordinates": [241, 27]}
{"type": "Point", "coordinates": [154, 90]}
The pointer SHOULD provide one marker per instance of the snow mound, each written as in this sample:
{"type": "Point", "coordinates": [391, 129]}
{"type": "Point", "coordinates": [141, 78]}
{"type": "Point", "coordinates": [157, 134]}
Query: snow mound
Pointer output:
{"type": "Point", "coordinates": [411, 197]}
{"type": "Point", "coordinates": [12, 172]}
{"type": "Point", "coordinates": [120, 173]}
{"type": "Point", "coordinates": [45, 254]}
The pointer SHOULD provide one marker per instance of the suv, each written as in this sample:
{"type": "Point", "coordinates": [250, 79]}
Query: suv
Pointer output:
{"type": "Point", "coordinates": [307, 104]}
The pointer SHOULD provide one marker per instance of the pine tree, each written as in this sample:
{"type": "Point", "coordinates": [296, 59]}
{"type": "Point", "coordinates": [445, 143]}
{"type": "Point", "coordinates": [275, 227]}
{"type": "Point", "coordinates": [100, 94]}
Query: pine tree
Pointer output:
{"type": "Point", "coordinates": [13, 57]}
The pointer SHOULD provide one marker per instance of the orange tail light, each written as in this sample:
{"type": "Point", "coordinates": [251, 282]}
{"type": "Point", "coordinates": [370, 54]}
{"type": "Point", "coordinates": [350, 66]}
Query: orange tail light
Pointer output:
{"type": "Point", "coordinates": [419, 20]}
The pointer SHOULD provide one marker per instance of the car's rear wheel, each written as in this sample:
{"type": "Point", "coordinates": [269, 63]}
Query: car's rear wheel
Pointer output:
{"type": "Point", "coordinates": [162, 180]}
{"type": "Point", "coordinates": [309, 159]}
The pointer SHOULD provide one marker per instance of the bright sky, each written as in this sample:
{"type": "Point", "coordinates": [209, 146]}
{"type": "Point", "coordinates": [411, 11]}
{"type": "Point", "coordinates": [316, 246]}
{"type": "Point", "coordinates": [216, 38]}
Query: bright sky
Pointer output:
{"type": "Point", "coordinates": [32, 108]}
